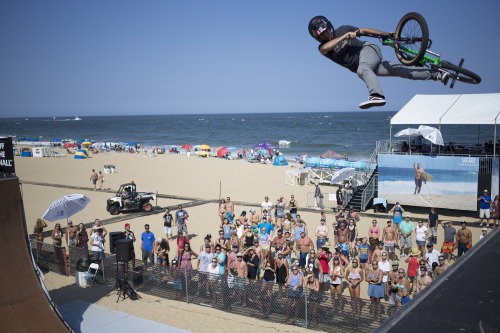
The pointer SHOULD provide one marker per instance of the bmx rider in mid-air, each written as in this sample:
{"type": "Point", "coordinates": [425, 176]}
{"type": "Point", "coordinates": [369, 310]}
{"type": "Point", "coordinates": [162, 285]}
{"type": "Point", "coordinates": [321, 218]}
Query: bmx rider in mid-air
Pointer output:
{"type": "Point", "coordinates": [364, 58]}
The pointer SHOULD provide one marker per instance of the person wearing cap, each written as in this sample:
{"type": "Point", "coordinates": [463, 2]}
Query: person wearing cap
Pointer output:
{"type": "Point", "coordinates": [280, 211]}
{"type": "Point", "coordinates": [432, 224]}
{"type": "Point", "coordinates": [379, 252]}
{"type": "Point", "coordinates": [129, 234]}
{"type": "Point", "coordinates": [147, 241]}
{"type": "Point", "coordinates": [397, 214]}
{"type": "Point", "coordinates": [268, 227]}
{"type": "Point", "coordinates": [70, 234]}
{"type": "Point", "coordinates": [207, 240]}
{"type": "Point", "coordinates": [421, 234]}
{"type": "Point", "coordinates": [318, 197]}
{"type": "Point", "coordinates": [235, 240]}
{"type": "Point", "coordinates": [266, 208]}
{"type": "Point", "coordinates": [321, 233]}
{"type": "Point", "coordinates": [406, 228]}
{"type": "Point", "coordinates": [229, 210]}
{"type": "Point", "coordinates": [464, 239]}
{"type": "Point", "coordinates": [213, 273]}
{"type": "Point", "coordinates": [351, 214]}
{"type": "Point", "coordinates": [231, 258]}
{"type": "Point", "coordinates": [254, 220]}
{"type": "Point", "coordinates": [484, 232]}
{"type": "Point", "coordinates": [204, 261]}
{"type": "Point", "coordinates": [423, 280]}
{"type": "Point", "coordinates": [392, 288]}
{"type": "Point", "coordinates": [390, 240]}
{"type": "Point", "coordinates": [167, 224]}
{"type": "Point", "coordinates": [221, 259]}
{"type": "Point", "coordinates": [240, 269]}
{"type": "Point", "coordinates": [484, 208]}
{"type": "Point", "coordinates": [449, 239]}
{"type": "Point", "coordinates": [324, 256]}
{"type": "Point", "coordinates": [431, 256]}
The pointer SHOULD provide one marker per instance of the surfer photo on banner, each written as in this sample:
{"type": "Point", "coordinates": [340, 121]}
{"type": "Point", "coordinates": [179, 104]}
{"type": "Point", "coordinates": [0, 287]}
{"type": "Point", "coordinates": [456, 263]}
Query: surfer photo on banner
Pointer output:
{"type": "Point", "coordinates": [419, 177]}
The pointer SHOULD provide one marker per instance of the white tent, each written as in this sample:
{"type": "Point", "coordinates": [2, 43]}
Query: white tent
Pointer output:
{"type": "Point", "coordinates": [473, 109]}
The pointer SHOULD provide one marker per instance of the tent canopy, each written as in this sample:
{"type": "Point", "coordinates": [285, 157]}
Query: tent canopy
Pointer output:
{"type": "Point", "coordinates": [473, 109]}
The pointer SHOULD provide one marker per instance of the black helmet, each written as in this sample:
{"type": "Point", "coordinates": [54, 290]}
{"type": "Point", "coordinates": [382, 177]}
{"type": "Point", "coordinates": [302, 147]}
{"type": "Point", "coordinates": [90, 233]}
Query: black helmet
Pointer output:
{"type": "Point", "coordinates": [318, 25]}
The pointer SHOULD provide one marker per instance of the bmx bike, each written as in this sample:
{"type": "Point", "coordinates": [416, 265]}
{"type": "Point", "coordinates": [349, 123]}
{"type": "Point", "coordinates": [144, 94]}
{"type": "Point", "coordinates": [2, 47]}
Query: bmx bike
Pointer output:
{"type": "Point", "coordinates": [411, 43]}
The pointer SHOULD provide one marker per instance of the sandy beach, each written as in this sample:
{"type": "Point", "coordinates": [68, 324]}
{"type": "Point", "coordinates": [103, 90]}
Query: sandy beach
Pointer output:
{"type": "Point", "coordinates": [182, 176]}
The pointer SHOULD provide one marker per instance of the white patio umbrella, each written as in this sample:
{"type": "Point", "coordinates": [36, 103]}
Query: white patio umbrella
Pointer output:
{"type": "Point", "coordinates": [65, 207]}
{"type": "Point", "coordinates": [432, 134]}
{"type": "Point", "coordinates": [339, 176]}
{"type": "Point", "coordinates": [407, 132]}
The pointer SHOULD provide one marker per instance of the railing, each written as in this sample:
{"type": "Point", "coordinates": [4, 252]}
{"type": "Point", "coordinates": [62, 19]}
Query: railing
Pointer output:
{"type": "Point", "coordinates": [368, 193]}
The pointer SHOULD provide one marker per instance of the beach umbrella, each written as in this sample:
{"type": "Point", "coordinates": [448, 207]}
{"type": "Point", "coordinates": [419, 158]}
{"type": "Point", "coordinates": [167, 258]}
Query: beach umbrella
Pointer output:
{"type": "Point", "coordinates": [407, 132]}
{"type": "Point", "coordinates": [231, 148]}
{"type": "Point", "coordinates": [32, 139]}
{"type": "Point", "coordinates": [131, 144]}
{"type": "Point", "coordinates": [264, 145]}
{"type": "Point", "coordinates": [79, 142]}
{"type": "Point", "coordinates": [331, 154]}
{"type": "Point", "coordinates": [222, 152]}
{"type": "Point", "coordinates": [86, 143]}
{"type": "Point", "coordinates": [205, 147]}
{"type": "Point", "coordinates": [22, 138]}
{"type": "Point", "coordinates": [187, 147]}
{"type": "Point", "coordinates": [339, 176]}
{"type": "Point", "coordinates": [432, 134]}
{"type": "Point", "coordinates": [69, 145]}
{"type": "Point", "coordinates": [65, 207]}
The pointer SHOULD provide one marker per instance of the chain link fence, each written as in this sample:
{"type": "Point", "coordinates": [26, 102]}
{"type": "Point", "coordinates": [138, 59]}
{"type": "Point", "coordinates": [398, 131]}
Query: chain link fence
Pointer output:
{"type": "Point", "coordinates": [258, 299]}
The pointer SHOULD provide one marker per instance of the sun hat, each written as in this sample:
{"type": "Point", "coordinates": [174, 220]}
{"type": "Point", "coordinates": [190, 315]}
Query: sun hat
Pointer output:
{"type": "Point", "coordinates": [485, 191]}
{"type": "Point", "coordinates": [484, 229]}
{"type": "Point", "coordinates": [414, 252]}
{"type": "Point", "coordinates": [395, 263]}
{"type": "Point", "coordinates": [239, 254]}
{"type": "Point", "coordinates": [407, 215]}
{"type": "Point", "coordinates": [326, 245]}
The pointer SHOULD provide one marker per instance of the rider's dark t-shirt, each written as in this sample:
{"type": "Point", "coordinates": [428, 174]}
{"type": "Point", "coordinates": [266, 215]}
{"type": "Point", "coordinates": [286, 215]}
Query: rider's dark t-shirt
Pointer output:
{"type": "Point", "coordinates": [346, 53]}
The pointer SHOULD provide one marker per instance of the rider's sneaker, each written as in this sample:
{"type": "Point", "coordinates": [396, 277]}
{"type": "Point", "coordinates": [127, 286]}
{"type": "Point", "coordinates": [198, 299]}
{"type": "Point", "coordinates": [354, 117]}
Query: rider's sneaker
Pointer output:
{"type": "Point", "coordinates": [372, 101]}
{"type": "Point", "coordinates": [445, 77]}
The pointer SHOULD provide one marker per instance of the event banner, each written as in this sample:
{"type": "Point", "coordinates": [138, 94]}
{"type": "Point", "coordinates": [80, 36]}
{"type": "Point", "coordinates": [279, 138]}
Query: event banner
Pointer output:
{"type": "Point", "coordinates": [429, 181]}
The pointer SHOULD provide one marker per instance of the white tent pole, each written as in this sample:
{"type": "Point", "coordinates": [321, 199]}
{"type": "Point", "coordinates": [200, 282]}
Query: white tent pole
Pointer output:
{"type": "Point", "coordinates": [409, 141]}
{"type": "Point", "coordinates": [495, 138]}
{"type": "Point", "coordinates": [390, 136]}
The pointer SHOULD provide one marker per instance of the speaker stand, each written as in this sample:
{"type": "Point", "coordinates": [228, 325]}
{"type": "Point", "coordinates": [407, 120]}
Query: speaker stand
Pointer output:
{"type": "Point", "coordinates": [121, 283]}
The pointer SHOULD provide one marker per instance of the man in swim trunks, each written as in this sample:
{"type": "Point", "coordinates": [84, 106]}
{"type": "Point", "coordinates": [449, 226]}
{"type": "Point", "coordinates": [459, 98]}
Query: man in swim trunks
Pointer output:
{"type": "Point", "coordinates": [240, 268]}
{"type": "Point", "coordinates": [379, 252]}
{"type": "Point", "coordinates": [305, 244]}
{"type": "Point", "coordinates": [71, 235]}
{"type": "Point", "coordinates": [342, 234]}
{"type": "Point", "coordinates": [406, 228]}
{"type": "Point", "coordinates": [390, 240]}
{"type": "Point", "coordinates": [419, 176]}
{"type": "Point", "coordinates": [278, 240]}
{"type": "Point", "coordinates": [464, 239]}
{"type": "Point", "coordinates": [423, 280]}
{"type": "Point", "coordinates": [441, 267]}
{"type": "Point", "coordinates": [93, 177]}
{"type": "Point", "coordinates": [449, 239]}
{"type": "Point", "coordinates": [321, 233]}
{"type": "Point", "coordinates": [392, 278]}
{"type": "Point", "coordinates": [229, 210]}
{"type": "Point", "coordinates": [254, 220]}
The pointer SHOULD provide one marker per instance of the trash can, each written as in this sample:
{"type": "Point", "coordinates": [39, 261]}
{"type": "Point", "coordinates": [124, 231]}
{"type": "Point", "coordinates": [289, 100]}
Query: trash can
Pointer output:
{"type": "Point", "coordinates": [188, 153]}
{"type": "Point", "coordinates": [82, 266]}
{"type": "Point", "coordinates": [112, 168]}
{"type": "Point", "coordinates": [107, 169]}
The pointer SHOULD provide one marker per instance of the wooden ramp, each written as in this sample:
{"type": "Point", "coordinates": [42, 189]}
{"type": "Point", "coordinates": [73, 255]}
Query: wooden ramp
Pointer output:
{"type": "Point", "coordinates": [24, 306]}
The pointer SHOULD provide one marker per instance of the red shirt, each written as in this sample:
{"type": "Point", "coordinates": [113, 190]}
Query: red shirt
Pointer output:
{"type": "Point", "coordinates": [323, 260]}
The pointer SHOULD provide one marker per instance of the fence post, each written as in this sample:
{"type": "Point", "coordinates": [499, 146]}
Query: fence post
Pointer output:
{"type": "Point", "coordinates": [305, 298]}
{"type": "Point", "coordinates": [187, 290]}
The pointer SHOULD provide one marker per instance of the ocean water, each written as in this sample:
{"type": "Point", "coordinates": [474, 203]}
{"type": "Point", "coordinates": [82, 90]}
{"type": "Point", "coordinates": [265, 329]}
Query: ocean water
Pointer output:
{"type": "Point", "coordinates": [352, 133]}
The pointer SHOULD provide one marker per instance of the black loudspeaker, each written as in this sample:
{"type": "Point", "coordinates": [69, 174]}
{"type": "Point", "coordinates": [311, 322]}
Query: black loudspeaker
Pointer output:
{"type": "Point", "coordinates": [123, 250]}
{"type": "Point", "coordinates": [137, 279]}
{"type": "Point", "coordinates": [113, 238]}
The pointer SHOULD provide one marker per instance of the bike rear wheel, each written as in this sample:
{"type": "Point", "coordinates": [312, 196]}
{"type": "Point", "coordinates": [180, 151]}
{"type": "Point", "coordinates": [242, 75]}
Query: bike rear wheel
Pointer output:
{"type": "Point", "coordinates": [461, 74]}
{"type": "Point", "coordinates": [412, 38]}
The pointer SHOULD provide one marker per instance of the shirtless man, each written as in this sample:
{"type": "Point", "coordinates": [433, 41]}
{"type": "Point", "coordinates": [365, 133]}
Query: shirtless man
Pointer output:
{"type": "Point", "coordinates": [378, 252]}
{"type": "Point", "coordinates": [71, 233]}
{"type": "Point", "coordinates": [390, 240]}
{"type": "Point", "coordinates": [229, 210]}
{"type": "Point", "coordinates": [321, 233]}
{"type": "Point", "coordinates": [93, 178]}
{"type": "Point", "coordinates": [464, 239]}
{"type": "Point", "coordinates": [441, 267]}
{"type": "Point", "coordinates": [353, 215]}
{"type": "Point", "coordinates": [423, 280]}
{"type": "Point", "coordinates": [254, 217]}
{"type": "Point", "coordinates": [392, 278]}
{"type": "Point", "coordinates": [419, 177]}
{"type": "Point", "coordinates": [221, 241]}
{"type": "Point", "coordinates": [305, 244]}
{"type": "Point", "coordinates": [97, 225]}
{"type": "Point", "coordinates": [239, 267]}
{"type": "Point", "coordinates": [278, 240]}
{"type": "Point", "coordinates": [231, 258]}
{"type": "Point", "coordinates": [342, 235]}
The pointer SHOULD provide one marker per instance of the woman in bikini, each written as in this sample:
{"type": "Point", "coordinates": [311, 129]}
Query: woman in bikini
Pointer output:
{"type": "Point", "coordinates": [336, 274]}
{"type": "Point", "coordinates": [56, 239]}
{"type": "Point", "coordinates": [373, 235]}
{"type": "Point", "coordinates": [287, 223]}
{"type": "Point", "coordinates": [38, 231]}
{"type": "Point", "coordinates": [355, 275]}
{"type": "Point", "coordinates": [82, 238]}
{"type": "Point", "coordinates": [402, 283]}
{"type": "Point", "coordinates": [353, 235]}
{"type": "Point", "coordinates": [222, 209]}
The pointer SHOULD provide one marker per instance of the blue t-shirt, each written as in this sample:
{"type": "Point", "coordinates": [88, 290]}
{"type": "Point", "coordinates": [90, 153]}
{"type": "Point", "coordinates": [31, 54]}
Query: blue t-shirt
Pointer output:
{"type": "Point", "coordinates": [147, 241]}
{"type": "Point", "coordinates": [485, 205]}
{"type": "Point", "coordinates": [397, 216]}
{"type": "Point", "coordinates": [364, 251]}
{"type": "Point", "coordinates": [267, 225]}
{"type": "Point", "coordinates": [222, 267]}
{"type": "Point", "coordinates": [180, 216]}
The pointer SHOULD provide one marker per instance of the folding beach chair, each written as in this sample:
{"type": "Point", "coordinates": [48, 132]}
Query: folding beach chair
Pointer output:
{"type": "Point", "coordinates": [91, 273]}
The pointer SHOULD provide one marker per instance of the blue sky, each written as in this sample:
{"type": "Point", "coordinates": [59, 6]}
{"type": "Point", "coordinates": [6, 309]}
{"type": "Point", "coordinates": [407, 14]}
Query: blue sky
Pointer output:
{"type": "Point", "coordinates": [118, 57]}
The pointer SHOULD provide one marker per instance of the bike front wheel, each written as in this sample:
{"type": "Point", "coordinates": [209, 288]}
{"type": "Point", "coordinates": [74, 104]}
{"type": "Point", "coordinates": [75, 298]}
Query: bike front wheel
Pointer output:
{"type": "Point", "coordinates": [411, 39]}
{"type": "Point", "coordinates": [461, 74]}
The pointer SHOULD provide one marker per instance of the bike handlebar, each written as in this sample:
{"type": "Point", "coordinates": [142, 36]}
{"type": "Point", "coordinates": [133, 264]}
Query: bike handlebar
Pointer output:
{"type": "Point", "coordinates": [387, 36]}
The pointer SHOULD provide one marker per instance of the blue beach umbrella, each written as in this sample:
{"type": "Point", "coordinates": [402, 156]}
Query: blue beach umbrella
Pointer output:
{"type": "Point", "coordinates": [80, 141]}
{"type": "Point", "coordinates": [131, 144]}
{"type": "Point", "coordinates": [32, 139]}
{"type": "Point", "coordinates": [22, 138]}
{"type": "Point", "coordinates": [56, 140]}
